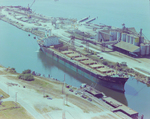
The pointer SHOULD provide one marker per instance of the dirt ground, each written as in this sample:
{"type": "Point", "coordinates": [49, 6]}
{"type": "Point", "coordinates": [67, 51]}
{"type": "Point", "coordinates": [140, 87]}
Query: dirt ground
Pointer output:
{"type": "Point", "coordinates": [30, 96]}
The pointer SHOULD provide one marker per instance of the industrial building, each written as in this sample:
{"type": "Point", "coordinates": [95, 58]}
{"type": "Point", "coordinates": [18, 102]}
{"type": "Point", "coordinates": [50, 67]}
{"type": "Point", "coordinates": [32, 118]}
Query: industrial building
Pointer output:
{"type": "Point", "coordinates": [127, 40]}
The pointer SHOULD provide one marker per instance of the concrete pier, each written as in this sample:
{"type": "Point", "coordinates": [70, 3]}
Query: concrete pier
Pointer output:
{"type": "Point", "coordinates": [83, 19]}
{"type": "Point", "coordinates": [90, 20]}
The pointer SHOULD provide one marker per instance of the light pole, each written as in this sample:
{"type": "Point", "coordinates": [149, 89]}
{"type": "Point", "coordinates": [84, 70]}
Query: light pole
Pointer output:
{"type": "Point", "coordinates": [8, 89]}
{"type": "Point", "coordinates": [16, 99]}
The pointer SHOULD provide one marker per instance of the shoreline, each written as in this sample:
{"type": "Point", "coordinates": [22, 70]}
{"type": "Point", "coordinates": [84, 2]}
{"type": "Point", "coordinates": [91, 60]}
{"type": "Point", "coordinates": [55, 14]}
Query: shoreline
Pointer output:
{"type": "Point", "coordinates": [72, 99]}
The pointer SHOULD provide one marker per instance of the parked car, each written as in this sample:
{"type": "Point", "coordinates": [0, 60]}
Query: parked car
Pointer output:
{"type": "Point", "coordinates": [89, 99]}
{"type": "Point", "coordinates": [49, 98]}
{"type": "Point", "coordinates": [71, 90]}
{"type": "Point", "coordinates": [84, 96]}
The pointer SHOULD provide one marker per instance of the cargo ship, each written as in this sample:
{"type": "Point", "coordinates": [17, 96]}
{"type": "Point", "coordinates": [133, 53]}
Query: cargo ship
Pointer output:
{"type": "Point", "coordinates": [90, 69]}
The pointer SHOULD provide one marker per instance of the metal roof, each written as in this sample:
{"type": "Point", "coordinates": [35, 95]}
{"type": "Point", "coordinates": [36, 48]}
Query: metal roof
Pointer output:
{"type": "Point", "coordinates": [126, 46]}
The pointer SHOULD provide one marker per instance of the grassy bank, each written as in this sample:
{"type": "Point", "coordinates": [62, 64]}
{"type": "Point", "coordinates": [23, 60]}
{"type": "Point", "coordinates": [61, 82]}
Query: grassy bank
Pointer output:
{"type": "Point", "coordinates": [12, 110]}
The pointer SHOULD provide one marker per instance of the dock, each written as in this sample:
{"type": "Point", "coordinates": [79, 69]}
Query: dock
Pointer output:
{"type": "Point", "coordinates": [93, 91]}
{"type": "Point", "coordinates": [90, 20]}
{"type": "Point", "coordinates": [119, 107]}
{"type": "Point", "coordinates": [83, 19]}
{"type": "Point", "coordinates": [108, 102]}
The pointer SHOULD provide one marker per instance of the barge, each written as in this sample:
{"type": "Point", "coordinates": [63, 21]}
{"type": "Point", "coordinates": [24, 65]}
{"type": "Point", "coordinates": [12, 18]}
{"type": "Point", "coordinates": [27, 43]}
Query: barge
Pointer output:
{"type": "Point", "coordinates": [92, 70]}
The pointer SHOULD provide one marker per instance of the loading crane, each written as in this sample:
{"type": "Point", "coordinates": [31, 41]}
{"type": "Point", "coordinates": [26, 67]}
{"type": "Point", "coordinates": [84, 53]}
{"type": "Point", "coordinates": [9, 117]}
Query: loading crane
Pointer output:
{"type": "Point", "coordinates": [29, 9]}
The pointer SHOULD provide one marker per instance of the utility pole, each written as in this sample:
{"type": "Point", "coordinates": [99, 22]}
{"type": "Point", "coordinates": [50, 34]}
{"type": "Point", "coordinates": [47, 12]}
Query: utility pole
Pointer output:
{"type": "Point", "coordinates": [64, 99]}
{"type": "Point", "coordinates": [43, 92]}
{"type": "Point", "coordinates": [8, 89]}
{"type": "Point", "coordinates": [16, 97]}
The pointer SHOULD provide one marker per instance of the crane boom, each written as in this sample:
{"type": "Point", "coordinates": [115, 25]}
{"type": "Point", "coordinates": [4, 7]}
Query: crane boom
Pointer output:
{"type": "Point", "coordinates": [32, 3]}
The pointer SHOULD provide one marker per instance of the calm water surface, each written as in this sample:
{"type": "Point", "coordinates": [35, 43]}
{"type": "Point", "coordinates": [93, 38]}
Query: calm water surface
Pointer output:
{"type": "Point", "coordinates": [19, 50]}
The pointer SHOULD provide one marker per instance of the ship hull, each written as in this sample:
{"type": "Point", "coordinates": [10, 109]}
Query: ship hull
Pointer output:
{"type": "Point", "coordinates": [109, 82]}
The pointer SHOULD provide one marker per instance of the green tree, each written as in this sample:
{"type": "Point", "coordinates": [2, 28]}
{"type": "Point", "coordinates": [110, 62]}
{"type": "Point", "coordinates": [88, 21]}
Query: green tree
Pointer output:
{"type": "Point", "coordinates": [28, 71]}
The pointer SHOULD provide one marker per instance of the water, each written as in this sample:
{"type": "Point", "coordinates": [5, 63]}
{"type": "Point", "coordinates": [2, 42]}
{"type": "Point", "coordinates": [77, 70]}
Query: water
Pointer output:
{"type": "Point", "coordinates": [19, 50]}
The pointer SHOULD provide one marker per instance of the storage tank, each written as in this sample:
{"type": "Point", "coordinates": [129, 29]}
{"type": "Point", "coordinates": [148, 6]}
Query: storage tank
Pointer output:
{"type": "Point", "coordinates": [136, 41]}
{"type": "Point", "coordinates": [111, 38]}
{"type": "Point", "coordinates": [142, 39]}
{"type": "Point", "coordinates": [143, 49]}
{"type": "Point", "coordinates": [112, 35]}
{"type": "Point", "coordinates": [118, 36]}
{"type": "Point", "coordinates": [123, 37]}
{"type": "Point", "coordinates": [45, 33]}
{"type": "Point", "coordinates": [147, 49]}
{"type": "Point", "coordinates": [97, 36]}
{"type": "Point", "coordinates": [115, 35]}
{"type": "Point", "coordinates": [100, 37]}
{"type": "Point", "coordinates": [131, 39]}
{"type": "Point", "coordinates": [128, 38]}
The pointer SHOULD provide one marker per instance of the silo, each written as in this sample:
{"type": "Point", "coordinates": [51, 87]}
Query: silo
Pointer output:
{"type": "Point", "coordinates": [115, 35]}
{"type": "Point", "coordinates": [97, 36]}
{"type": "Point", "coordinates": [111, 35]}
{"type": "Point", "coordinates": [147, 49]}
{"type": "Point", "coordinates": [143, 49]}
{"type": "Point", "coordinates": [45, 33]}
{"type": "Point", "coordinates": [128, 38]}
{"type": "Point", "coordinates": [131, 39]}
{"type": "Point", "coordinates": [123, 37]}
{"type": "Point", "coordinates": [100, 37]}
{"type": "Point", "coordinates": [118, 36]}
{"type": "Point", "coordinates": [136, 41]}
{"type": "Point", "coordinates": [111, 38]}
{"type": "Point", "coordinates": [142, 39]}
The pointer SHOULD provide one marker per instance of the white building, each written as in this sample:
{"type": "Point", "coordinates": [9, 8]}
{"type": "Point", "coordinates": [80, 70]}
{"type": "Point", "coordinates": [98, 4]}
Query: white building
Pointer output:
{"type": "Point", "coordinates": [50, 41]}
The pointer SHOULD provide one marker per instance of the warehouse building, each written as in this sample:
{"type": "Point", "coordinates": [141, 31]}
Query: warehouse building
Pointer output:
{"type": "Point", "coordinates": [125, 40]}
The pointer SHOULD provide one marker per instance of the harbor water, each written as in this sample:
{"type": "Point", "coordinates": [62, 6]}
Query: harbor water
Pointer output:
{"type": "Point", "coordinates": [21, 51]}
